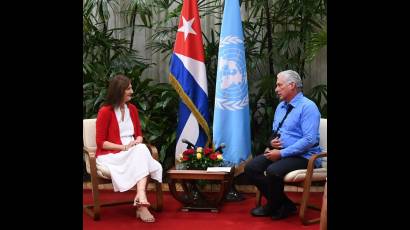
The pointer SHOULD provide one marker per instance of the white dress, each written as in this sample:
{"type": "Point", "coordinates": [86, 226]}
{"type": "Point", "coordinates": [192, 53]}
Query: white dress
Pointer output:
{"type": "Point", "coordinates": [128, 167]}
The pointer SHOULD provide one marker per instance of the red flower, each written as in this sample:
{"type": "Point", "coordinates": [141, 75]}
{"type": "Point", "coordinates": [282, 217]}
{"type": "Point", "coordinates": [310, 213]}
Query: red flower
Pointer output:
{"type": "Point", "coordinates": [185, 158]}
{"type": "Point", "coordinates": [208, 151]}
{"type": "Point", "coordinates": [189, 152]}
{"type": "Point", "coordinates": [200, 158]}
{"type": "Point", "coordinates": [213, 156]}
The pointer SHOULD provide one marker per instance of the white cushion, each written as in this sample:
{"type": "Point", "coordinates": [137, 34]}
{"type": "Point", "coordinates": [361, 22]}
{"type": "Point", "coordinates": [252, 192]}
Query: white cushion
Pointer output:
{"type": "Point", "coordinates": [89, 133]}
{"type": "Point", "coordinates": [323, 134]}
{"type": "Point", "coordinates": [319, 174]}
{"type": "Point", "coordinates": [91, 146]}
{"type": "Point", "coordinates": [101, 170]}
{"type": "Point", "coordinates": [323, 139]}
{"type": "Point", "coordinates": [87, 164]}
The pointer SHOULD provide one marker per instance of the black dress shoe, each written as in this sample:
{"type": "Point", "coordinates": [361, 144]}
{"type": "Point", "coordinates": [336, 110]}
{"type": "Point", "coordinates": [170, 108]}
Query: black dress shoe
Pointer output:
{"type": "Point", "coordinates": [284, 211]}
{"type": "Point", "coordinates": [261, 211]}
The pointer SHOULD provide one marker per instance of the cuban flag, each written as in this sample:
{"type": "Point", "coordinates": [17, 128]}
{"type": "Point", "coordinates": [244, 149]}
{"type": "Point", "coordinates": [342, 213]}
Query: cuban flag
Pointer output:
{"type": "Point", "coordinates": [188, 77]}
{"type": "Point", "coordinates": [231, 115]}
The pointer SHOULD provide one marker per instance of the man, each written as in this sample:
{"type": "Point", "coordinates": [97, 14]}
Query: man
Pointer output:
{"type": "Point", "coordinates": [294, 140]}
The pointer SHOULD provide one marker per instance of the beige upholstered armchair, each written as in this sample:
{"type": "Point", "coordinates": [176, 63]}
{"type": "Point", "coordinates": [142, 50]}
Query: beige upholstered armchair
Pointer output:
{"type": "Point", "coordinates": [305, 178]}
{"type": "Point", "coordinates": [102, 176]}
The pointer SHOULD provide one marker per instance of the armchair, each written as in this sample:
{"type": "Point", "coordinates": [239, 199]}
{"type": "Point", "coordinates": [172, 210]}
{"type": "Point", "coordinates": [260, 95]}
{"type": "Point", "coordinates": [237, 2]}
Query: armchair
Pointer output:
{"type": "Point", "coordinates": [305, 178]}
{"type": "Point", "coordinates": [102, 175]}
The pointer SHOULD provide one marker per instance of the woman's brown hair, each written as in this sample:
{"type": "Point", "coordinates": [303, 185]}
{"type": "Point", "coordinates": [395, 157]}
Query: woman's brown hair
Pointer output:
{"type": "Point", "coordinates": [116, 90]}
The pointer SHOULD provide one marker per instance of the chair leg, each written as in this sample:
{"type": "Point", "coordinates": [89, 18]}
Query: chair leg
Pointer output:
{"type": "Point", "coordinates": [94, 210]}
{"type": "Point", "coordinates": [159, 196]}
{"type": "Point", "coordinates": [304, 205]}
{"type": "Point", "coordinates": [157, 206]}
{"type": "Point", "coordinates": [96, 199]}
{"type": "Point", "coordinates": [89, 209]}
{"type": "Point", "coordinates": [96, 194]}
{"type": "Point", "coordinates": [323, 213]}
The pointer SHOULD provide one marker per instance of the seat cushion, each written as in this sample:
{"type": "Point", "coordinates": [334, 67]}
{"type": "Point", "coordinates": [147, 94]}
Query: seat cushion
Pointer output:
{"type": "Point", "coordinates": [101, 170]}
{"type": "Point", "coordinates": [319, 174]}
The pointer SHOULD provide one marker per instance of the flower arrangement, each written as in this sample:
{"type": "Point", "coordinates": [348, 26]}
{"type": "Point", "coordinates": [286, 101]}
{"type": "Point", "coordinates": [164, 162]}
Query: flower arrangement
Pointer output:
{"type": "Point", "coordinates": [200, 158]}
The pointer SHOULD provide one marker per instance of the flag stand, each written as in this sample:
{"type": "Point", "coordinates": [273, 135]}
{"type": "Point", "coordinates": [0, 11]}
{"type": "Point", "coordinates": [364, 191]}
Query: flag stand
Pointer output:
{"type": "Point", "coordinates": [233, 194]}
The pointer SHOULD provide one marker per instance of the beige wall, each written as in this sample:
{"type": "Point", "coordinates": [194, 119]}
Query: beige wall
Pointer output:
{"type": "Point", "coordinates": [159, 72]}
{"type": "Point", "coordinates": [317, 71]}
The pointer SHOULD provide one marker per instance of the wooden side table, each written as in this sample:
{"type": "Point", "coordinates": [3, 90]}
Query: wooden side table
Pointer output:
{"type": "Point", "coordinates": [191, 197]}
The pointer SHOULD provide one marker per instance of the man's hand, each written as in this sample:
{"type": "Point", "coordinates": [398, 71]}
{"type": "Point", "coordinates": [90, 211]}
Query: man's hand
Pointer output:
{"type": "Point", "coordinates": [266, 150]}
{"type": "Point", "coordinates": [273, 155]}
{"type": "Point", "coordinates": [276, 143]}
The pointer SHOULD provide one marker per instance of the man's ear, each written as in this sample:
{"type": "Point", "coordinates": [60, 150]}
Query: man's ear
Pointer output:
{"type": "Point", "coordinates": [293, 85]}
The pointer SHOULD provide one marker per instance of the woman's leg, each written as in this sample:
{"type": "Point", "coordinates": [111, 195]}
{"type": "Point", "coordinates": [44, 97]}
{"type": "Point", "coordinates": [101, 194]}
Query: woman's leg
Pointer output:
{"type": "Point", "coordinates": [141, 196]}
{"type": "Point", "coordinates": [142, 202]}
{"type": "Point", "coordinates": [144, 214]}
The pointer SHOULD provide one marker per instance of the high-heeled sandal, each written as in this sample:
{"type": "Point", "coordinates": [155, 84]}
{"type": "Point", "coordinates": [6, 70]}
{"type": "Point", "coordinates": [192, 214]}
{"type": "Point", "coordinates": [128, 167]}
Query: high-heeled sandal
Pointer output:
{"type": "Point", "coordinates": [141, 204]}
{"type": "Point", "coordinates": [148, 218]}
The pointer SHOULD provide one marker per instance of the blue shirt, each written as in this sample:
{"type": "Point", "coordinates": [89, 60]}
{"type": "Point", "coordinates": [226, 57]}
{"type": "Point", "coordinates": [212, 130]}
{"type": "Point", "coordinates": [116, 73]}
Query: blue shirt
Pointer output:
{"type": "Point", "coordinates": [300, 130]}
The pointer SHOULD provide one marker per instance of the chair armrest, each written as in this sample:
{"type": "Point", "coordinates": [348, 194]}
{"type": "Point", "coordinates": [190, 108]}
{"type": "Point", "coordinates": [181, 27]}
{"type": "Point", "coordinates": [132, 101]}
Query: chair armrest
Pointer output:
{"type": "Point", "coordinates": [154, 151]}
{"type": "Point", "coordinates": [311, 165]}
{"type": "Point", "coordinates": [92, 161]}
{"type": "Point", "coordinates": [89, 151]}
{"type": "Point", "coordinates": [320, 155]}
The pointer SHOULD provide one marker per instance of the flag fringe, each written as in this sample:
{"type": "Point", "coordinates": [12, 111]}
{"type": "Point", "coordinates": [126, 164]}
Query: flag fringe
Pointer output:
{"type": "Point", "coordinates": [188, 102]}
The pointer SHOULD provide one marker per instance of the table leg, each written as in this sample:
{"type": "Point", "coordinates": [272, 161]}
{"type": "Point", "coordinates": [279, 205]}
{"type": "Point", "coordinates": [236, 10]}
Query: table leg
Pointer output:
{"type": "Point", "coordinates": [199, 201]}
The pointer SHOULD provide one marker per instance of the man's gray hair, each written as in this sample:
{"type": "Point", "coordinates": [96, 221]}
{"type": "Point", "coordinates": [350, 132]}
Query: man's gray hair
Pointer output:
{"type": "Point", "coordinates": [292, 76]}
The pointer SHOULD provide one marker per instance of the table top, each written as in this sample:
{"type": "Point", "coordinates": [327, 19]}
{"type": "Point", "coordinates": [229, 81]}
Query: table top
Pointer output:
{"type": "Point", "coordinates": [198, 174]}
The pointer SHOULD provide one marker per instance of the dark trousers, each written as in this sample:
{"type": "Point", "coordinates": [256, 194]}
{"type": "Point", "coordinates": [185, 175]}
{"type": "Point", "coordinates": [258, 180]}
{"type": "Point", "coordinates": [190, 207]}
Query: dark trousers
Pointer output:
{"type": "Point", "coordinates": [271, 185]}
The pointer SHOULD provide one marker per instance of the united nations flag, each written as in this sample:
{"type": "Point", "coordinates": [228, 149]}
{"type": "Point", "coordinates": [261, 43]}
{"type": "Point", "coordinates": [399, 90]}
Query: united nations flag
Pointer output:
{"type": "Point", "coordinates": [231, 124]}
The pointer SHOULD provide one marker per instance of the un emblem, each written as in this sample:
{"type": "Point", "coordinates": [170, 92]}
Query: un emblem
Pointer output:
{"type": "Point", "coordinates": [231, 85]}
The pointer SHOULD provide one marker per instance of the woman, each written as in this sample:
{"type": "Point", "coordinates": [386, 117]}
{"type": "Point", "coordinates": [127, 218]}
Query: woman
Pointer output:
{"type": "Point", "coordinates": [119, 145]}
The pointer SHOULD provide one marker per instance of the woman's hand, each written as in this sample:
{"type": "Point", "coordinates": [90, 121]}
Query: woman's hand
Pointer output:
{"type": "Point", "coordinates": [132, 144]}
{"type": "Point", "coordinates": [137, 141]}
